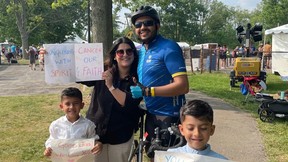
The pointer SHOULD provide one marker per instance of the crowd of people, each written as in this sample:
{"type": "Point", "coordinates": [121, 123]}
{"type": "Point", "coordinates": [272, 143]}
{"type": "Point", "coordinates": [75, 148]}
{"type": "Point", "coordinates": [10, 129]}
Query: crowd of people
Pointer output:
{"type": "Point", "coordinates": [156, 75]}
{"type": "Point", "coordinates": [14, 53]}
{"type": "Point", "coordinates": [262, 51]}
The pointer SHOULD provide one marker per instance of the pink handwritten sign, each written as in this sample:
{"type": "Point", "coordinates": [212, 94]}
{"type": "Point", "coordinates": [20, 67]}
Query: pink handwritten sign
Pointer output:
{"type": "Point", "coordinates": [72, 150]}
{"type": "Point", "coordinates": [66, 63]}
{"type": "Point", "coordinates": [89, 61]}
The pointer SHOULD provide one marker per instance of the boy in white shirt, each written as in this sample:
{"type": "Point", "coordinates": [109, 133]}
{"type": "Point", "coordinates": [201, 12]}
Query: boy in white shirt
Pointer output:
{"type": "Point", "coordinates": [197, 126]}
{"type": "Point", "coordinates": [72, 125]}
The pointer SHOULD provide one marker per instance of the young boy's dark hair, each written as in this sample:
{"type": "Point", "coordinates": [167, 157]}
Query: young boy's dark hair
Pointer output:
{"type": "Point", "coordinates": [198, 109]}
{"type": "Point", "coordinates": [72, 92]}
{"type": "Point", "coordinates": [197, 128]}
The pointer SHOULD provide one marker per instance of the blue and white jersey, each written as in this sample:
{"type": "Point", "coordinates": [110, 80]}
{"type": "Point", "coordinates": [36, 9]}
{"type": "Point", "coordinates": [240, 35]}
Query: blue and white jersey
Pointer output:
{"type": "Point", "coordinates": [157, 67]}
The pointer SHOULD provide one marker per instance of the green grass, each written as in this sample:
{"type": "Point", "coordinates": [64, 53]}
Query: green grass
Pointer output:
{"type": "Point", "coordinates": [24, 126]}
{"type": "Point", "coordinates": [275, 135]}
{"type": "Point", "coordinates": [25, 119]}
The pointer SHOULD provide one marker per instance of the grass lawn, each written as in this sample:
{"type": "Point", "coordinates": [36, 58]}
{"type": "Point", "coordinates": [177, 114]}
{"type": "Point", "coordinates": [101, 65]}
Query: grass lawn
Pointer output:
{"type": "Point", "coordinates": [25, 119]}
{"type": "Point", "coordinates": [275, 134]}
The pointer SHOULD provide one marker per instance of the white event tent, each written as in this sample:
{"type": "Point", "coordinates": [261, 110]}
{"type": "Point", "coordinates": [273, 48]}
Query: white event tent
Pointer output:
{"type": "Point", "coordinates": [279, 50]}
{"type": "Point", "coordinates": [76, 39]}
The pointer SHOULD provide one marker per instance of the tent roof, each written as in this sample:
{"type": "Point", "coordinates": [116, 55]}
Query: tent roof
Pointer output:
{"type": "Point", "coordinates": [277, 30]}
{"type": "Point", "coordinates": [77, 39]}
{"type": "Point", "coordinates": [183, 44]}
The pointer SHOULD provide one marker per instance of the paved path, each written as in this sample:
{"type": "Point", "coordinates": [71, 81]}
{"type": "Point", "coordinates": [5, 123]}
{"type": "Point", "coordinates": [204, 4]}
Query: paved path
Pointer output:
{"type": "Point", "coordinates": [237, 136]}
{"type": "Point", "coordinates": [20, 80]}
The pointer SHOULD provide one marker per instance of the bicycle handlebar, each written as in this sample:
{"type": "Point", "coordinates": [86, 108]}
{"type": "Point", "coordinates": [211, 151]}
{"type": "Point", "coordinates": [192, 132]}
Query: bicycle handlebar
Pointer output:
{"type": "Point", "coordinates": [156, 143]}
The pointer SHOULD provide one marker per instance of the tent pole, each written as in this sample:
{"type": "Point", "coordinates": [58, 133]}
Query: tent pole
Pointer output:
{"type": "Point", "coordinates": [262, 60]}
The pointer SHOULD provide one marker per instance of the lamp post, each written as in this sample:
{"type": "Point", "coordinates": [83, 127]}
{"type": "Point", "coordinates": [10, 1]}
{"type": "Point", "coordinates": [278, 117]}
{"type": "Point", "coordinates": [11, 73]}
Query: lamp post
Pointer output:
{"type": "Point", "coordinates": [247, 44]}
{"type": "Point", "coordinates": [255, 32]}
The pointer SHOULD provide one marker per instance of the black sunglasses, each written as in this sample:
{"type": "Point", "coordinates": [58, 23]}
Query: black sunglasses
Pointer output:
{"type": "Point", "coordinates": [121, 52]}
{"type": "Point", "coordinates": [145, 23]}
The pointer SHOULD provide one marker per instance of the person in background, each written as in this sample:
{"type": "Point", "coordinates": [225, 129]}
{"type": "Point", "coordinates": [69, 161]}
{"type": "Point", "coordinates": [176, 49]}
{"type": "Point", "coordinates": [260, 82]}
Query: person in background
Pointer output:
{"type": "Point", "coordinates": [197, 127]}
{"type": "Point", "coordinates": [112, 108]}
{"type": "Point", "coordinates": [267, 53]}
{"type": "Point", "coordinates": [13, 50]}
{"type": "Point", "coordinates": [72, 125]}
{"type": "Point", "coordinates": [3, 51]}
{"type": "Point", "coordinates": [223, 56]}
{"type": "Point", "coordinates": [31, 53]}
{"type": "Point", "coordinates": [242, 51]}
{"type": "Point", "coordinates": [260, 51]}
{"type": "Point", "coordinates": [41, 58]}
{"type": "Point", "coordinates": [162, 74]}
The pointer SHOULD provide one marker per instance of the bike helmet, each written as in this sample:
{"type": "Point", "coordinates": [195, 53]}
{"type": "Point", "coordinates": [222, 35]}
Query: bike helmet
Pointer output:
{"type": "Point", "coordinates": [145, 11]}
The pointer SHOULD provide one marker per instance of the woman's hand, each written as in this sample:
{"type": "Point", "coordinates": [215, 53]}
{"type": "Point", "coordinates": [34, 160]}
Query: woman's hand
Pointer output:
{"type": "Point", "coordinates": [108, 77]}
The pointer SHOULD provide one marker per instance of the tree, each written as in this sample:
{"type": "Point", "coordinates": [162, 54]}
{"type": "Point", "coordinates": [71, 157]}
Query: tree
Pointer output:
{"type": "Point", "coordinates": [36, 20]}
{"type": "Point", "coordinates": [102, 27]}
{"type": "Point", "coordinates": [274, 13]}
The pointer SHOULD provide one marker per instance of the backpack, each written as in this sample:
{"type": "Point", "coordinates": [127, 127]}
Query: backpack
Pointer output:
{"type": "Point", "coordinates": [243, 89]}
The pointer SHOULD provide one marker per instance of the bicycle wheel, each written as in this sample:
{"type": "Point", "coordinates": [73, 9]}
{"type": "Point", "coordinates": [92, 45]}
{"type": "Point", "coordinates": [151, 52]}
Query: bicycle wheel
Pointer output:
{"type": "Point", "coordinates": [133, 152]}
{"type": "Point", "coordinates": [266, 115]}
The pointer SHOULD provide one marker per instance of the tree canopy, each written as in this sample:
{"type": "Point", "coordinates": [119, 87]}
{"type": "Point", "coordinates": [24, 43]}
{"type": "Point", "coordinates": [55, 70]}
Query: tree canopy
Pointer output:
{"type": "Point", "coordinates": [192, 21]}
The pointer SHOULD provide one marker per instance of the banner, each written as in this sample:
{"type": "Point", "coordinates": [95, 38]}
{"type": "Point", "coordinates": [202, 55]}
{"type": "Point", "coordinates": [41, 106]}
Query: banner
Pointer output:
{"type": "Point", "coordinates": [66, 63]}
{"type": "Point", "coordinates": [164, 156]}
{"type": "Point", "coordinates": [72, 150]}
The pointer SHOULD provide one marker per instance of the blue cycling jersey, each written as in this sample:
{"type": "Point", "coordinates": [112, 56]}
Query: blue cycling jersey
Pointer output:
{"type": "Point", "coordinates": [157, 67]}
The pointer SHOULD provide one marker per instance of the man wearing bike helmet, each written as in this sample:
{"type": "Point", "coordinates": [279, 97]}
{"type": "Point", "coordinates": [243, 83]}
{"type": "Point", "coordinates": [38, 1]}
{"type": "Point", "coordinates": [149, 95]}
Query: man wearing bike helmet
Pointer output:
{"type": "Point", "coordinates": [162, 73]}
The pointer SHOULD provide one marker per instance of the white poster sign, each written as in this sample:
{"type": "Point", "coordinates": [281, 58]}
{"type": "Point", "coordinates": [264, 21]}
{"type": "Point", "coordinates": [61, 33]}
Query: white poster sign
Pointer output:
{"type": "Point", "coordinates": [72, 150]}
{"type": "Point", "coordinates": [66, 63]}
{"type": "Point", "coordinates": [164, 156]}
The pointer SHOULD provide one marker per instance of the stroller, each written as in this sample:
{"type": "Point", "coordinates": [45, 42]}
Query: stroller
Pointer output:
{"type": "Point", "coordinates": [251, 86]}
{"type": "Point", "coordinates": [271, 108]}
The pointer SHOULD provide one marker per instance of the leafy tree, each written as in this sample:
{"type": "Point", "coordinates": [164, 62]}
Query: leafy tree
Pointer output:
{"type": "Point", "coordinates": [38, 22]}
{"type": "Point", "coordinates": [216, 23]}
{"type": "Point", "coordinates": [274, 13]}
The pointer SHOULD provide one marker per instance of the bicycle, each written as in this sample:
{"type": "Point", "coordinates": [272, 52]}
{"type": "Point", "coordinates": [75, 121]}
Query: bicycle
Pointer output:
{"type": "Point", "coordinates": [136, 154]}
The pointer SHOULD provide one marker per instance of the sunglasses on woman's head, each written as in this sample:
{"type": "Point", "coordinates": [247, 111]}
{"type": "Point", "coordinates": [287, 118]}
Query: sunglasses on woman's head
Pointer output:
{"type": "Point", "coordinates": [128, 52]}
{"type": "Point", "coordinates": [145, 23]}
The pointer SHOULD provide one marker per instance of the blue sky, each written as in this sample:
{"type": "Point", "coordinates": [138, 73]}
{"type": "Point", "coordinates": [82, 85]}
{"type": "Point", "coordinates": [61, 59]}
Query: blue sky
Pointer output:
{"type": "Point", "coordinates": [244, 4]}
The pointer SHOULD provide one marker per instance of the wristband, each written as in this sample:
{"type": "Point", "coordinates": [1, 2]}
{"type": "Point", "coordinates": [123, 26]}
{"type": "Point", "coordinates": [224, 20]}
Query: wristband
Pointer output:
{"type": "Point", "coordinates": [112, 88]}
{"type": "Point", "coordinates": [148, 91]}
{"type": "Point", "coordinates": [152, 91]}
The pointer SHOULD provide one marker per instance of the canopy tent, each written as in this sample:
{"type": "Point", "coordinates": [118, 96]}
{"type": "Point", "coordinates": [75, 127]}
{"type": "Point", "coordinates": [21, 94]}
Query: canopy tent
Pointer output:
{"type": "Point", "coordinates": [278, 30]}
{"type": "Point", "coordinates": [184, 45]}
{"type": "Point", "coordinates": [279, 50]}
{"type": "Point", "coordinates": [76, 39]}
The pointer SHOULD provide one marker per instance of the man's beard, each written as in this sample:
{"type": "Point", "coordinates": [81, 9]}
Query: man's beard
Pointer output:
{"type": "Point", "coordinates": [149, 39]}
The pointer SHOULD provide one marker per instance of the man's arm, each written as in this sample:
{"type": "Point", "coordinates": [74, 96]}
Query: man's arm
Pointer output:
{"type": "Point", "coordinates": [179, 86]}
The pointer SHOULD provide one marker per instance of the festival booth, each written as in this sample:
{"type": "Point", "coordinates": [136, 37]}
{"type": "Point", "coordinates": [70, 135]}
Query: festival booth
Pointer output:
{"type": "Point", "coordinates": [279, 50]}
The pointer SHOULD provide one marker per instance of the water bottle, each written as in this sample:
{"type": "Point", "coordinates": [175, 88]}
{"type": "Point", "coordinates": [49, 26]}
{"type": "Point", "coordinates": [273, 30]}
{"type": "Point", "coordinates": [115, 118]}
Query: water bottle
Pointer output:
{"type": "Point", "coordinates": [282, 95]}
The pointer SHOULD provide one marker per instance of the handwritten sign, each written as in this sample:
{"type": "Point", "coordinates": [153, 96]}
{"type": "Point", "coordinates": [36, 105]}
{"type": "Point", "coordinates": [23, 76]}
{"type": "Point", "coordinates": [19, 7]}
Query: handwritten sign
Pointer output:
{"type": "Point", "coordinates": [164, 156]}
{"type": "Point", "coordinates": [72, 150]}
{"type": "Point", "coordinates": [66, 63]}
